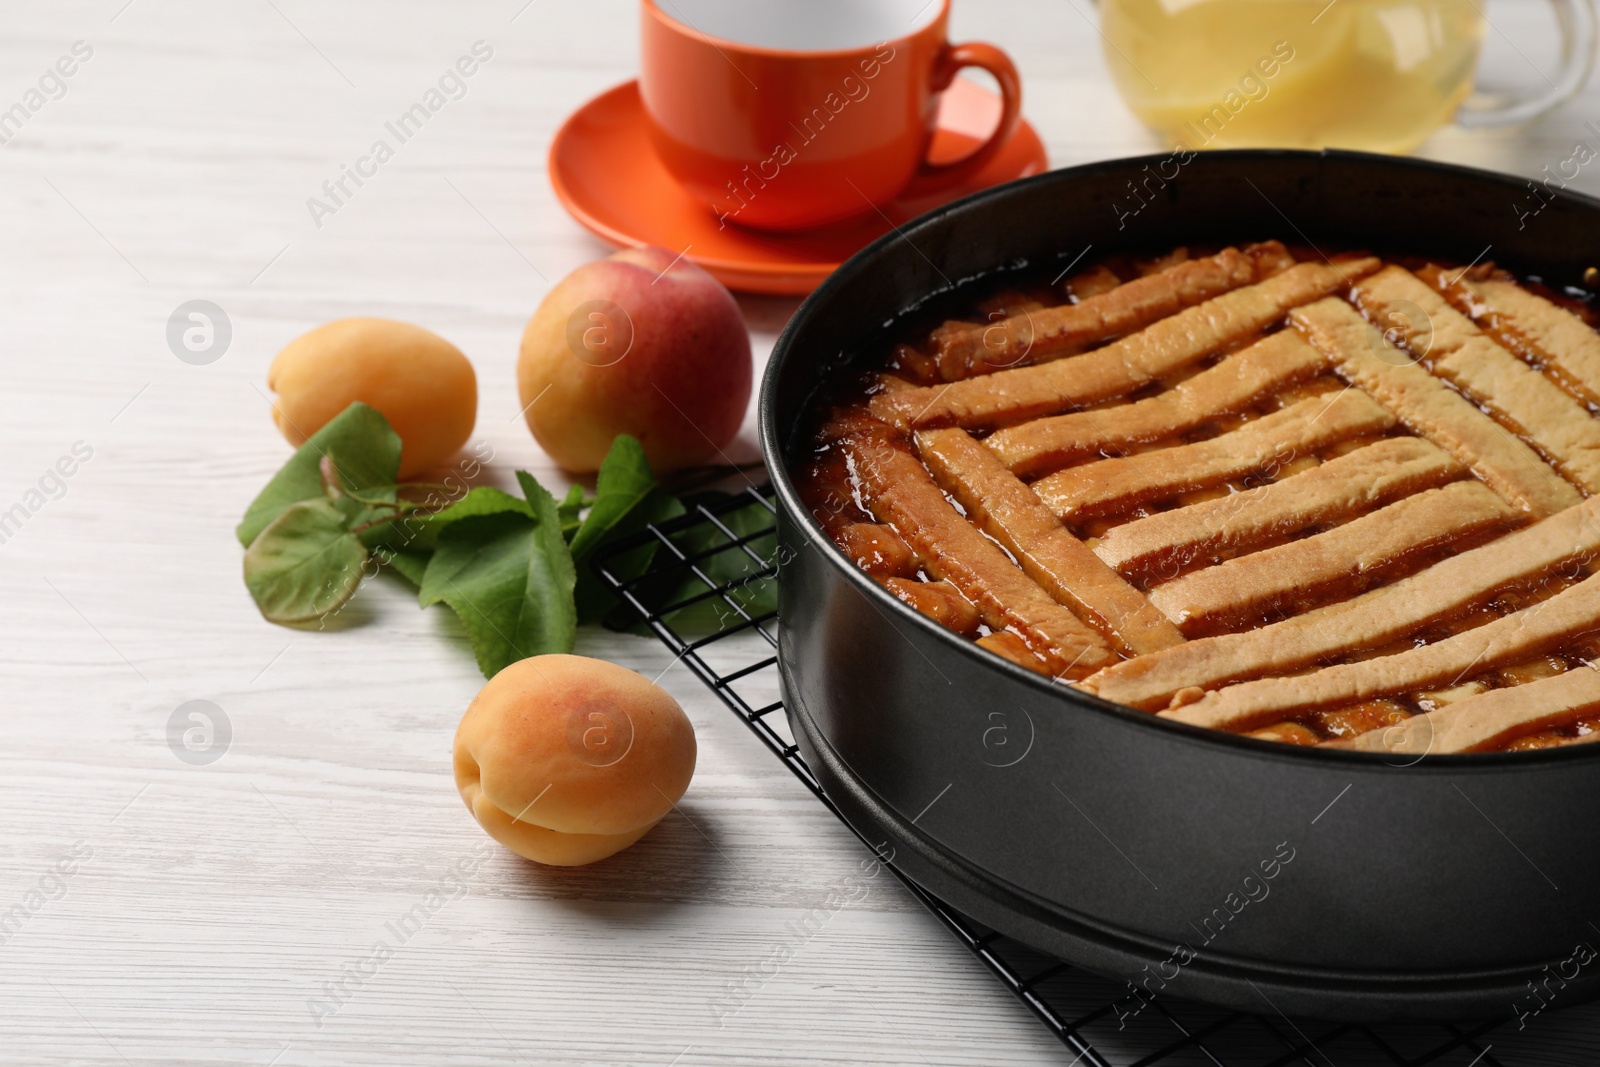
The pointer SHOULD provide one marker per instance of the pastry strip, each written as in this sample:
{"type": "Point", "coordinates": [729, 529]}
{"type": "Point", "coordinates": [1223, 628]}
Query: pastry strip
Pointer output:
{"type": "Point", "coordinates": [899, 491]}
{"type": "Point", "coordinates": [1012, 396]}
{"type": "Point", "coordinates": [1171, 259]}
{"type": "Point", "coordinates": [1432, 409]}
{"type": "Point", "coordinates": [1342, 559]}
{"type": "Point", "coordinates": [1004, 508]}
{"type": "Point", "coordinates": [1233, 384]}
{"type": "Point", "coordinates": [1306, 426]}
{"type": "Point", "coordinates": [1093, 282]}
{"type": "Point", "coordinates": [1372, 619]}
{"type": "Point", "coordinates": [1530, 325]}
{"type": "Point", "coordinates": [966, 348]}
{"type": "Point", "coordinates": [1565, 617]}
{"type": "Point", "coordinates": [1534, 407]}
{"type": "Point", "coordinates": [1336, 491]}
{"type": "Point", "coordinates": [939, 601]}
{"type": "Point", "coordinates": [1486, 722]}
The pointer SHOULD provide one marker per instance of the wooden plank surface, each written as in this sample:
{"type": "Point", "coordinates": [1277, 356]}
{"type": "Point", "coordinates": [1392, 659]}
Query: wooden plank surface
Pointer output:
{"type": "Point", "coordinates": [209, 905]}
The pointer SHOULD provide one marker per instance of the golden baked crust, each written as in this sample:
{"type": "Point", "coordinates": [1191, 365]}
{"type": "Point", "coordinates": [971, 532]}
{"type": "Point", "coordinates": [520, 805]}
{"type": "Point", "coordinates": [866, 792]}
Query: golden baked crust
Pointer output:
{"type": "Point", "coordinates": [1529, 325]}
{"type": "Point", "coordinates": [1000, 505]}
{"type": "Point", "coordinates": [1341, 561]}
{"type": "Point", "coordinates": [1336, 502]}
{"type": "Point", "coordinates": [1333, 492]}
{"type": "Point", "coordinates": [1527, 403]}
{"type": "Point", "coordinates": [1039, 335]}
{"type": "Point", "coordinates": [1165, 346]}
{"type": "Point", "coordinates": [1125, 482]}
{"type": "Point", "coordinates": [898, 490]}
{"type": "Point", "coordinates": [1233, 385]}
{"type": "Point", "coordinates": [1431, 408]}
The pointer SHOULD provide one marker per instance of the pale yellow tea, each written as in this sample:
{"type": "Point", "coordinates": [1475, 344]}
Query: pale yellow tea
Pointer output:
{"type": "Point", "coordinates": [1379, 75]}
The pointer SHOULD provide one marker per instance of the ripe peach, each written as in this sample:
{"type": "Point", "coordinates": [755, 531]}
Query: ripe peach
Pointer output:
{"type": "Point", "coordinates": [567, 760]}
{"type": "Point", "coordinates": [643, 343]}
{"type": "Point", "coordinates": [420, 382]}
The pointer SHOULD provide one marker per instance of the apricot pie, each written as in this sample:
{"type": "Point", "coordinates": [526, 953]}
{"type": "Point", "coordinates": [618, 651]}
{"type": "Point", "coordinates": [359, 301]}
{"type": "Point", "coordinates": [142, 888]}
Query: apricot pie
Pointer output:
{"type": "Point", "coordinates": [1342, 502]}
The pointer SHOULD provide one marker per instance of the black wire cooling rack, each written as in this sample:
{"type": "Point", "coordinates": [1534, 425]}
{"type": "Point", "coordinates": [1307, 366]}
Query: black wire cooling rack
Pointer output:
{"type": "Point", "coordinates": [710, 580]}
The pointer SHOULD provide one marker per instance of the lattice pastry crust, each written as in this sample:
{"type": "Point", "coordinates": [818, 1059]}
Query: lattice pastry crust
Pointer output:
{"type": "Point", "coordinates": [1339, 502]}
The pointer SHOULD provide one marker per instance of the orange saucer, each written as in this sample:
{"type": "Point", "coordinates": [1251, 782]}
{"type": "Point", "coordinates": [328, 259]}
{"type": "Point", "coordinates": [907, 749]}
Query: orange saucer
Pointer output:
{"type": "Point", "coordinates": [606, 174]}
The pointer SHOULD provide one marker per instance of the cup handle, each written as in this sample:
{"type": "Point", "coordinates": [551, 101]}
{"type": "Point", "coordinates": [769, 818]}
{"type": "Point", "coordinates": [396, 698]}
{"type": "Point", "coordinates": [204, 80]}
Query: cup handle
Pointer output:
{"type": "Point", "coordinates": [997, 63]}
{"type": "Point", "coordinates": [1578, 37]}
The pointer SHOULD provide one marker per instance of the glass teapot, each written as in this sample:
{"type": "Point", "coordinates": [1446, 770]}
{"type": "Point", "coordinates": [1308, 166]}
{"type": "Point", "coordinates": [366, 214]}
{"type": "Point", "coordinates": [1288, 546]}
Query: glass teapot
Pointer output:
{"type": "Point", "coordinates": [1379, 75]}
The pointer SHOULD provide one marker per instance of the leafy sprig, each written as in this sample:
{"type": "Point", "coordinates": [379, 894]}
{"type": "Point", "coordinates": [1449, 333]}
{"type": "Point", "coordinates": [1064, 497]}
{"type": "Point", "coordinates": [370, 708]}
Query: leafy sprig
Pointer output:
{"type": "Point", "coordinates": [514, 568]}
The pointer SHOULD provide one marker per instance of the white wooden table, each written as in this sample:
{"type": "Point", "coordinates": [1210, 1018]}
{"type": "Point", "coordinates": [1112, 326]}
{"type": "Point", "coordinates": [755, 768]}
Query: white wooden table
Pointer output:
{"type": "Point", "coordinates": [210, 909]}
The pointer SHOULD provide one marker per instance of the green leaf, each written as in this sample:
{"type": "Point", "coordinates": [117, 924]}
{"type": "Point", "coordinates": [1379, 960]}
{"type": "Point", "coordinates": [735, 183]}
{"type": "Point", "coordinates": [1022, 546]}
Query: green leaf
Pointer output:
{"type": "Point", "coordinates": [305, 564]}
{"type": "Point", "coordinates": [594, 597]}
{"type": "Point", "coordinates": [626, 501]}
{"type": "Point", "coordinates": [733, 565]}
{"type": "Point", "coordinates": [552, 577]}
{"type": "Point", "coordinates": [484, 500]}
{"type": "Point", "coordinates": [732, 568]}
{"type": "Point", "coordinates": [510, 578]}
{"type": "Point", "coordinates": [569, 509]}
{"type": "Point", "coordinates": [625, 480]}
{"type": "Point", "coordinates": [408, 564]}
{"type": "Point", "coordinates": [362, 445]}
{"type": "Point", "coordinates": [548, 534]}
{"type": "Point", "coordinates": [420, 532]}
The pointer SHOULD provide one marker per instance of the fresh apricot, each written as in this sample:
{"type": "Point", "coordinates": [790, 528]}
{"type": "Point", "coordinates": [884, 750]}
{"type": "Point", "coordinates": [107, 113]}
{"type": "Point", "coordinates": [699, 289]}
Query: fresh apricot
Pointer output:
{"type": "Point", "coordinates": [419, 381]}
{"type": "Point", "coordinates": [567, 760]}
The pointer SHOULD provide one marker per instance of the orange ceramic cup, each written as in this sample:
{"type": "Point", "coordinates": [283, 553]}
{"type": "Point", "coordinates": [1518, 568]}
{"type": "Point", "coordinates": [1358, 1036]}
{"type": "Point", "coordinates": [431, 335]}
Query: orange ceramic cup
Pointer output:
{"type": "Point", "coordinates": [791, 114]}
